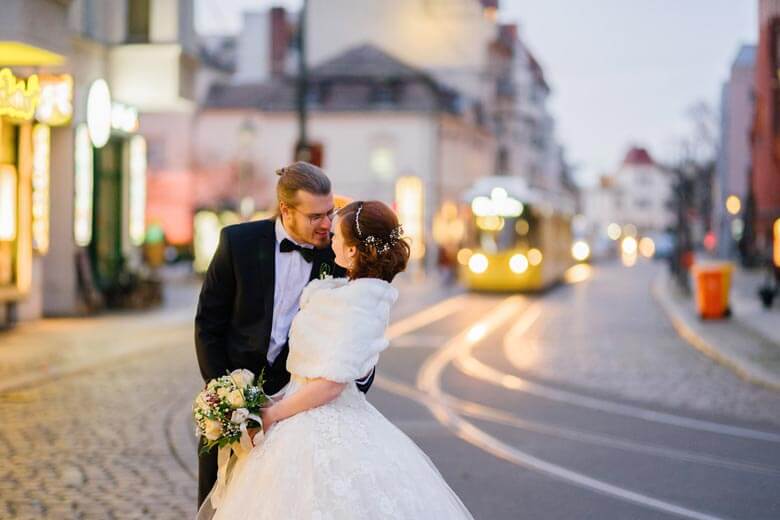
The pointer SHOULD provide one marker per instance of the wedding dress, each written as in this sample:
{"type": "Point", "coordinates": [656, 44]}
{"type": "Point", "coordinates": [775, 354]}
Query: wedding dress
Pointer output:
{"type": "Point", "coordinates": [343, 460]}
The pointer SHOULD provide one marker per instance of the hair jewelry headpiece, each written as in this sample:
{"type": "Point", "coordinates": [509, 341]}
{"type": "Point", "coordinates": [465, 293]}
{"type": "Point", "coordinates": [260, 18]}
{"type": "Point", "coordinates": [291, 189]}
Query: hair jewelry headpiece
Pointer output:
{"type": "Point", "coordinates": [381, 245]}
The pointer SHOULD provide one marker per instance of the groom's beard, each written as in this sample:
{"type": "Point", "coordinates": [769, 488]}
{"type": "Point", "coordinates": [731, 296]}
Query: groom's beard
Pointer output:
{"type": "Point", "coordinates": [318, 237]}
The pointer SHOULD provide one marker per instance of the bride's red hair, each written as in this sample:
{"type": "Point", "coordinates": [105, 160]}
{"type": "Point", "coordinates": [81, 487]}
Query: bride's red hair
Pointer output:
{"type": "Point", "coordinates": [372, 260]}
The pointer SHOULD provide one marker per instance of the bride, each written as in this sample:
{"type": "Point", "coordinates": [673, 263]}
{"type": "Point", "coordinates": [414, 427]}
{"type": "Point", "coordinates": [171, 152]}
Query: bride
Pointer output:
{"type": "Point", "coordinates": [327, 452]}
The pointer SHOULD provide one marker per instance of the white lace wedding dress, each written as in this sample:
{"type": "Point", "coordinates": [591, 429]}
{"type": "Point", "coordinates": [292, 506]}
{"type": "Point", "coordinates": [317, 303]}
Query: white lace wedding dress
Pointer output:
{"type": "Point", "coordinates": [342, 460]}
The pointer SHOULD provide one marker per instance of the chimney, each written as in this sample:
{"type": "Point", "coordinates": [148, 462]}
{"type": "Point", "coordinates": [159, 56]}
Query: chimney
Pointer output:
{"type": "Point", "coordinates": [281, 34]}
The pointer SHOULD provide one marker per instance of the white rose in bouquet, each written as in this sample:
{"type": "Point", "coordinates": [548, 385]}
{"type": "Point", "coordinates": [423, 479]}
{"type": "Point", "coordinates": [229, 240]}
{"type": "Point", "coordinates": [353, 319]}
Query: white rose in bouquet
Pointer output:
{"type": "Point", "coordinates": [239, 416]}
{"type": "Point", "coordinates": [236, 399]}
{"type": "Point", "coordinates": [222, 392]}
{"type": "Point", "coordinates": [201, 402]}
{"type": "Point", "coordinates": [242, 377]}
{"type": "Point", "coordinates": [213, 429]}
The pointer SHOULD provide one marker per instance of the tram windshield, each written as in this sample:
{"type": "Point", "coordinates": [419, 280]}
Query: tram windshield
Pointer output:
{"type": "Point", "coordinates": [494, 234]}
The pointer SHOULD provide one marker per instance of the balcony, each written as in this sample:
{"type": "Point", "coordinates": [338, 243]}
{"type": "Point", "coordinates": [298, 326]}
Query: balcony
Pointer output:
{"type": "Point", "coordinates": [155, 77]}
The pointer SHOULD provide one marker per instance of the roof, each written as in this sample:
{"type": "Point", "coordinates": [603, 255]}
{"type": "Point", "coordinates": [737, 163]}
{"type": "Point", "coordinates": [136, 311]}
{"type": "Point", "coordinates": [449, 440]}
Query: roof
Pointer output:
{"type": "Point", "coordinates": [362, 78]}
{"type": "Point", "coordinates": [746, 56]}
{"type": "Point", "coordinates": [537, 71]}
{"type": "Point", "coordinates": [638, 156]}
{"type": "Point", "coordinates": [365, 61]}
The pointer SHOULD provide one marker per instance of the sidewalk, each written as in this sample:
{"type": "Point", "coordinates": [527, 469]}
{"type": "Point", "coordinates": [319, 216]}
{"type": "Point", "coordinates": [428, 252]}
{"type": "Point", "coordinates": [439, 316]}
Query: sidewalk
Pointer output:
{"type": "Point", "coordinates": [56, 347]}
{"type": "Point", "coordinates": [748, 342]}
{"type": "Point", "coordinates": [53, 347]}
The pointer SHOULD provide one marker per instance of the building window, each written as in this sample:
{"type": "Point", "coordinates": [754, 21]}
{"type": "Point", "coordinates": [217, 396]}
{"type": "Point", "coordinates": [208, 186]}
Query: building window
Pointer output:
{"type": "Point", "coordinates": [382, 161]}
{"type": "Point", "coordinates": [138, 21]}
{"type": "Point", "coordinates": [386, 93]}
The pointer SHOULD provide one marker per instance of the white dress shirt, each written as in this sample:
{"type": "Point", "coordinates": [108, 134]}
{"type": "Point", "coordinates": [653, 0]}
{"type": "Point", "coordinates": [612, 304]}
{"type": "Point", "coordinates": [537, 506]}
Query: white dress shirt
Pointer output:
{"type": "Point", "coordinates": [292, 274]}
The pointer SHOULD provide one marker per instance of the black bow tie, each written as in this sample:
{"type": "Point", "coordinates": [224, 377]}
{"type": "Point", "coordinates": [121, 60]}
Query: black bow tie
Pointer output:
{"type": "Point", "coordinates": [288, 245]}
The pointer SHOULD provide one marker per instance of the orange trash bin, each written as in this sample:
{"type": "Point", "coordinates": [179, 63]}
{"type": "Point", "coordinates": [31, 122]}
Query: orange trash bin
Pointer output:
{"type": "Point", "coordinates": [713, 282]}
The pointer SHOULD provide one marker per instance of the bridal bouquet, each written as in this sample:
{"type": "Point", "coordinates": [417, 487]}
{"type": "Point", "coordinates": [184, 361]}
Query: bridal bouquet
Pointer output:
{"type": "Point", "coordinates": [227, 407]}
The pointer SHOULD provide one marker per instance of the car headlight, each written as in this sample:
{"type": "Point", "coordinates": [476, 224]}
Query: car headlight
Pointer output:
{"type": "Point", "coordinates": [580, 250]}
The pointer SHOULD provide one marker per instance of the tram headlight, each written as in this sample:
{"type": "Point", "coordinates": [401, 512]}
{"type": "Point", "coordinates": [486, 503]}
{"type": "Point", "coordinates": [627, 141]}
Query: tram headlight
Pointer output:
{"type": "Point", "coordinates": [478, 263]}
{"type": "Point", "coordinates": [518, 263]}
{"type": "Point", "coordinates": [580, 250]}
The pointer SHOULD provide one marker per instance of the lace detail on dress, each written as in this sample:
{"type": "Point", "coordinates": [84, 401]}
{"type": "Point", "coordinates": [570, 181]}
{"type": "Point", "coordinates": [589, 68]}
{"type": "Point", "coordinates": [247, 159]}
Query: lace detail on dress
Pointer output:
{"type": "Point", "coordinates": [341, 461]}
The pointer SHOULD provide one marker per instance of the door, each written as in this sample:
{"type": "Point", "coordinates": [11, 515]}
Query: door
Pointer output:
{"type": "Point", "coordinates": [106, 246]}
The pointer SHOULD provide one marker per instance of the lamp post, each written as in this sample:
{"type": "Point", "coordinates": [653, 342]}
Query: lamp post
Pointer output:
{"type": "Point", "coordinates": [682, 258]}
{"type": "Point", "coordinates": [302, 151]}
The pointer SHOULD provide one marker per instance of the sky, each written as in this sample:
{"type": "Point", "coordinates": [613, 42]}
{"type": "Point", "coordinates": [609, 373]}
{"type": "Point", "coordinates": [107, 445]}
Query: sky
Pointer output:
{"type": "Point", "coordinates": [622, 72]}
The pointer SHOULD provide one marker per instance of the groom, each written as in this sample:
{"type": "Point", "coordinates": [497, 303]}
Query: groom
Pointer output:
{"type": "Point", "coordinates": [252, 287]}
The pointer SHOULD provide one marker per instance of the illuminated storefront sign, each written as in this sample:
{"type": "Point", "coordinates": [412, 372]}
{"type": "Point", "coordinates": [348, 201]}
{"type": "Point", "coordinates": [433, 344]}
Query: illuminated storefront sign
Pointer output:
{"type": "Point", "coordinates": [55, 107]}
{"type": "Point", "coordinates": [124, 117]}
{"type": "Point", "coordinates": [18, 97]}
{"type": "Point", "coordinates": [7, 203]}
{"type": "Point", "coordinates": [137, 216]}
{"type": "Point", "coordinates": [409, 205]}
{"type": "Point", "coordinates": [776, 247]}
{"type": "Point", "coordinates": [40, 188]}
{"type": "Point", "coordinates": [99, 113]}
{"type": "Point", "coordinates": [82, 223]}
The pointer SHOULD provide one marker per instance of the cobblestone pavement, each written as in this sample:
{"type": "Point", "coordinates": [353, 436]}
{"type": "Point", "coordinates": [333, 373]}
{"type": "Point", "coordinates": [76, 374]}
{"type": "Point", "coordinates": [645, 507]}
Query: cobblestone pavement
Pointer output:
{"type": "Point", "coordinates": [95, 445]}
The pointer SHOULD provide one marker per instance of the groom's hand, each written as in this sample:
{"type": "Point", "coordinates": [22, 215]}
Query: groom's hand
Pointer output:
{"type": "Point", "coordinates": [252, 432]}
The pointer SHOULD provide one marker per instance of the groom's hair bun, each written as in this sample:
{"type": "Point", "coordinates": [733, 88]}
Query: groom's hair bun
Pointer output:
{"type": "Point", "coordinates": [373, 259]}
{"type": "Point", "coordinates": [300, 176]}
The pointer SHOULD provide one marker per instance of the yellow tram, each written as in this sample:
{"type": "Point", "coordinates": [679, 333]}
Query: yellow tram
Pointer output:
{"type": "Point", "coordinates": [517, 238]}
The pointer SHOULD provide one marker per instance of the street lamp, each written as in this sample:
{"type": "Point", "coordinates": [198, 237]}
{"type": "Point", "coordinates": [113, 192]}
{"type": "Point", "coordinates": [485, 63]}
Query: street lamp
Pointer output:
{"type": "Point", "coordinates": [733, 204]}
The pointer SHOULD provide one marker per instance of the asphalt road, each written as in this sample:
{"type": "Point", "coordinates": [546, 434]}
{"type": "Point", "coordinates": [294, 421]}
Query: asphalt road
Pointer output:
{"type": "Point", "coordinates": [582, 403]}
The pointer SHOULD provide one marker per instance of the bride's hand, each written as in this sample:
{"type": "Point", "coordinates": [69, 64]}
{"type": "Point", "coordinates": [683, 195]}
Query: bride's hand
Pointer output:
{"type": "Point", "coordinates": [268, 416]}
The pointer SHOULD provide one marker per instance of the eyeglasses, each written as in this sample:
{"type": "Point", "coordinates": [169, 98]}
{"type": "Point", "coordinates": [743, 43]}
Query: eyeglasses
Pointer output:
{"type": "Point", "coordinates": [316, 218]}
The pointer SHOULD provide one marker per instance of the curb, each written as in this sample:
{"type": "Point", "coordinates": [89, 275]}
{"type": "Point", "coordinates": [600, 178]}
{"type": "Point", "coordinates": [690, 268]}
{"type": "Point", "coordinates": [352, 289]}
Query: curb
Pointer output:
{"type": "Point", "coordinates": [747, 370]}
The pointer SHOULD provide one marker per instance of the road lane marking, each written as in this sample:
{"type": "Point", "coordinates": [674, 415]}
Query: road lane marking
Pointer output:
{"type": "Point", "coordinates": [429, 381]}
{"type": "Point", "coordinates": [485, 413]}
{"type": "Point", "coordinates": [497, 416]}
{"type": "Point", "coordinates": [425, 317]}
{"type": "Point", "coordinates": [471, 366]}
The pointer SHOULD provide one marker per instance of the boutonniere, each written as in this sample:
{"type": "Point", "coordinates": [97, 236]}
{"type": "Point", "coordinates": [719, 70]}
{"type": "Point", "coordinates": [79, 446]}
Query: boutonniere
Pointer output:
{"type": "Point", "coordinates": [325, 271]}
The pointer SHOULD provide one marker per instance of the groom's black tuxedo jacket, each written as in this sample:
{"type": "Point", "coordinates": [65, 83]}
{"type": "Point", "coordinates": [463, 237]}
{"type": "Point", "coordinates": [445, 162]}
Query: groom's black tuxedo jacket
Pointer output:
{"type": "Point", "coordinates": [235, 308]}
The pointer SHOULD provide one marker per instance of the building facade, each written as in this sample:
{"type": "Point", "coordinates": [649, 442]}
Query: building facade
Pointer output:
{"type": "Point", "coordinates": [643, 193]}
{"type": "Point", "coordinates": [764, 202]}
{"type": "Point", "coordinates": [732, 176]}
{"type": "Point", "coordinates": [81, 159]}
{"type": "Point", "coordinates": [635, 200]}
{"type": "Point", "coordinates": [380, 124]}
